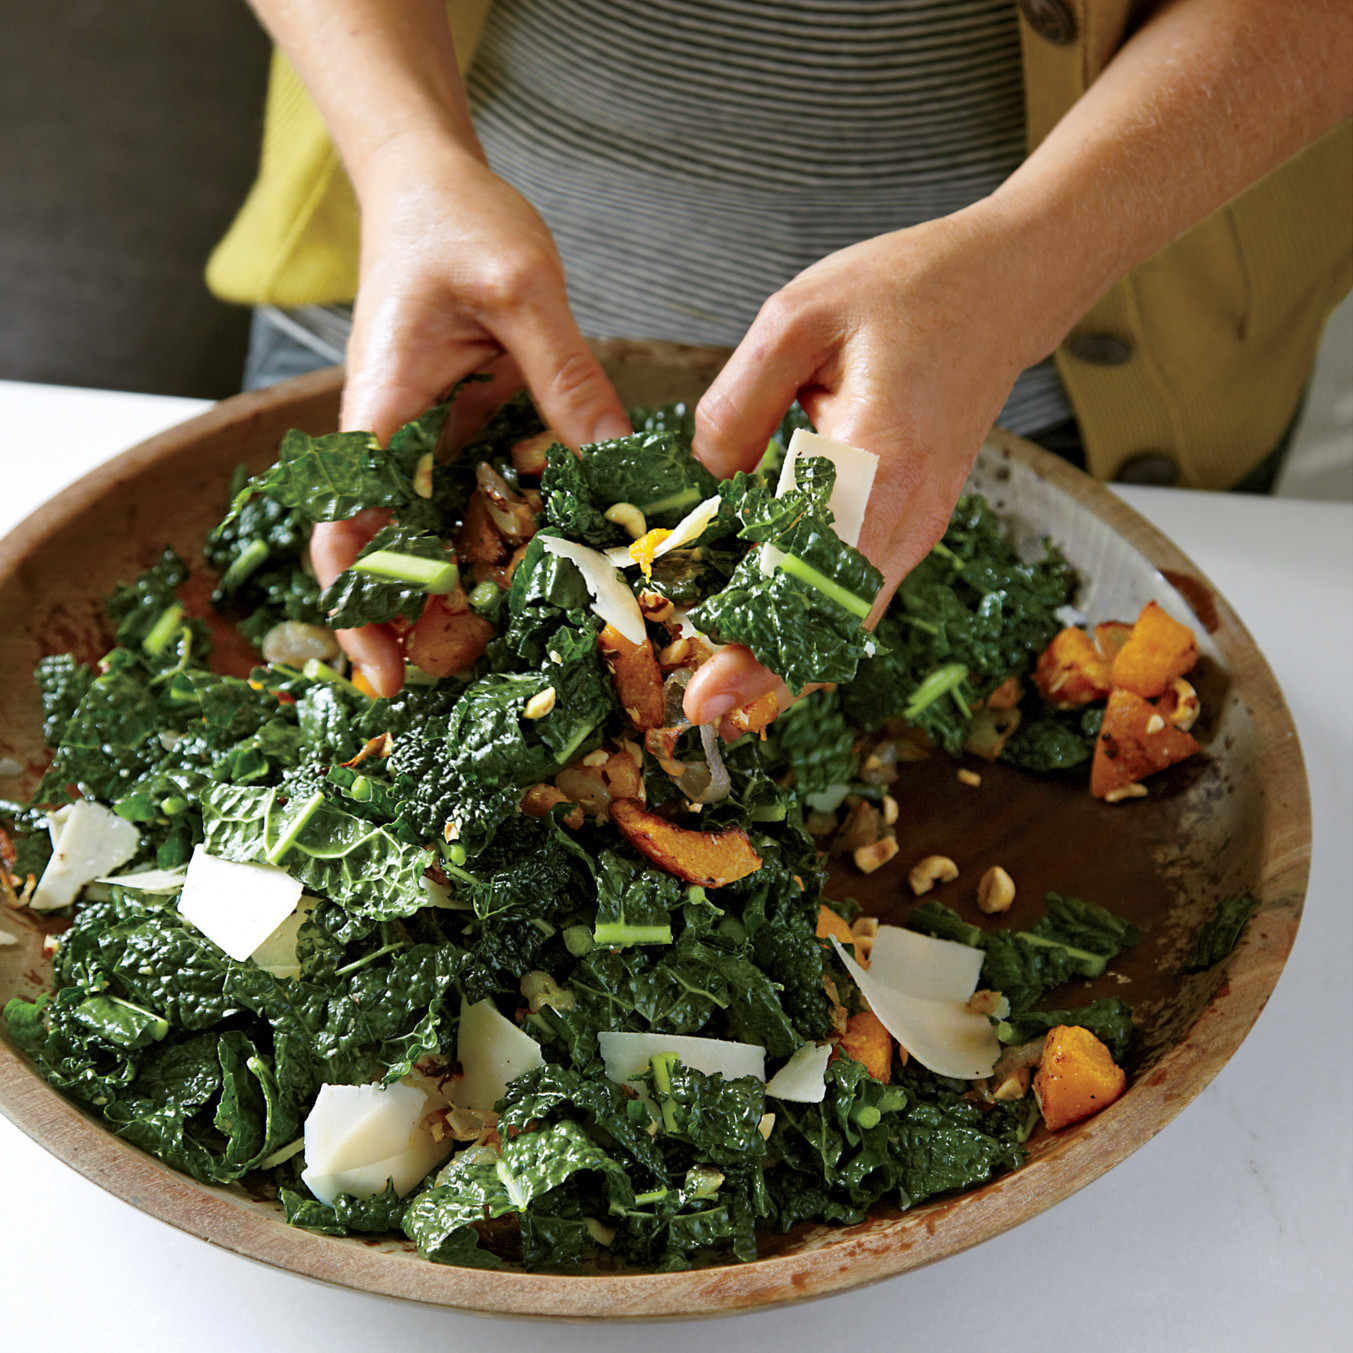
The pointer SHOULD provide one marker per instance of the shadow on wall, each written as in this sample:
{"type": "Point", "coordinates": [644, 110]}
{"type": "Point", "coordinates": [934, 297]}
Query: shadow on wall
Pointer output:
{"type": "Point", "coordinates": [129, 134]}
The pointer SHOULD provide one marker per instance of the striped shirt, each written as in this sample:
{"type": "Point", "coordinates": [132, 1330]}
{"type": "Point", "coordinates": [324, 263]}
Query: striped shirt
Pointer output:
{"type": "Point", "coordinates": [691, 156]}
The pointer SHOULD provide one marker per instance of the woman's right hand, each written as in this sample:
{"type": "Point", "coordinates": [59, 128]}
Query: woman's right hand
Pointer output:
{"type": "Point", "coordinates": [459, 276]}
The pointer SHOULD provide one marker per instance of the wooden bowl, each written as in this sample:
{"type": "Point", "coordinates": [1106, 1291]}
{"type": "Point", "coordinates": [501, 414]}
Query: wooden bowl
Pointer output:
{"type": "Point", "coordinates": [1235, 820]}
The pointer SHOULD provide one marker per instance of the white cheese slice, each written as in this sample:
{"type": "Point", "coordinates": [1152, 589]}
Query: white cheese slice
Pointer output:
{"type": "Point", "coordinates": [439, 895]}
{"type": "Point", "coordinates": [802, 1079]}
{"type": "Point", "coordinates": [236, 906]}
{"type": "Point", "coordinates": [277, 954]}
{"type": "Point", "coordinates": [944, 1036]}
{"type": "Point", "coordinates": [920, 965]}
{"type": "Point", "coordinates": [689, 529]}
{"type": "Point", "coordinates": [56, 823]}
{"type": "Point", "coordinates": [627, 1055]}
{"type": "Point", "coordinates": [88, 841]}
{"type": "Point", "coordinates": [491, 1051]}
{"type": "Point", "coordinates": [159, 881]}
{"type": "Point", "coordinates": [612, 599]}
{"type": "Point", "coordinates": [358, 1138]}
{"type": "Point", "coordinates": [855, 470]}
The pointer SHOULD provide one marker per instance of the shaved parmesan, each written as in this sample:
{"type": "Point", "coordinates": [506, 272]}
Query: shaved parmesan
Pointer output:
{"type": "Point", "coordinates": [149, 880]}
{"type": "Point", "coordinates": [855, 470]}
{"type": "Point", "coordinates": [688, 530]}
{"type": "Point", "coordinates": [612, 599]}
{"type": "Point", "coordinates": [491, 1051]}
{"type": "Point", "coordinates": [236, 906]}
{"type": "Point", "coordinates": [358, 1138]}
{"type": "Point", "coordinates": [87, 840]}
{"type": "Point", "coordinates": [935, 970]}
{"type": "Point", "coordinates": [802, 1079]}
{"type": "Point", "coordinates": [944, 1036]}
{"type": "Point", "coordinates": [277, 954]}
{"type": "Point", "coordinates": [627, 1055]}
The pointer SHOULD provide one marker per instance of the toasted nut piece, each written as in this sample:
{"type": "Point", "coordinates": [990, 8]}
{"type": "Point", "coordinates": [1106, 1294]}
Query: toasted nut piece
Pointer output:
{"type": "Point", "coordinates": [674, 654]}
{"type": "Point", "coordinates": [969, 777]}
{"type": "Point", "coordinates": [862, 826]}
{"type": "Point", "coordinates": [655, 606]}
{"type": "Point", "coordinates": [1155, 724]}
{"type": "Point", "coordinates": [820, 824]}
{"type": "Point", "coordinates": [996, 891]}
{"type": "Point", "coordinates": [422, 475]}
{"type": "Point", "coordinates": [869, 858]}
{"type": "Point", "coordinates": [1133, 791]}
{"type": "Point", "coordinates": [767, 1125]}
{"type": "Point", "coordinates": [540, 704]}
{"type": "Point", "coordinates": [930, 871]}
{"type": "Point", "coordinates": [1013, 1085]}
{"type": "Point", "coordinates": [597, 758]}
{"type": "Point", "coordinates": [863, 930]}
{"type": "Point", "coordinates": [628, 518]}
{"type": "Point", "coordinates": [890, 810]}
{"type": "Point", "coordinates": [1187, 706]}
{"type": "Point", "coordinates": [989, 1003]}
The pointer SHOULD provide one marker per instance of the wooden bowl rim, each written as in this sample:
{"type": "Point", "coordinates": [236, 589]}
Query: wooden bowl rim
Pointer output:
{"type": "Point", "coordinates": [852, 1256]}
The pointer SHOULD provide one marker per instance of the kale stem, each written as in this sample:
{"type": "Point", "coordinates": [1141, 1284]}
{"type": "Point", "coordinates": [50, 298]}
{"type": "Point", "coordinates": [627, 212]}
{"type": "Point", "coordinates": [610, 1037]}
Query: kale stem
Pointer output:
{"type": "Point", "coordinates": [939, 681]}
{"type": "Point", "coordinates": [244, 565]}
{"type": "Point", "coordinates": [369, 958]}
{"type": "Point", "coordinates": [806, 573]}
{"type": "Point", "coordinates": [436, 576]}
{"type": "Point", "coordinates": [163, 629]}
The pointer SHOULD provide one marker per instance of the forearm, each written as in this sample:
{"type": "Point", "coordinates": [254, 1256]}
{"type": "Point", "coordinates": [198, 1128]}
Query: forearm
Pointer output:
{"type": "Point", "coordinates": [1206, 98]}
{"type": "Point", "coordinates": [382, 73]}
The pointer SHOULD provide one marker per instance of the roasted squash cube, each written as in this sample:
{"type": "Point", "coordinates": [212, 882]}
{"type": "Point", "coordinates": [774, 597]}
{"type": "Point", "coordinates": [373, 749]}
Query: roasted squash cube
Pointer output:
{"type": "Point", "coordinates": [446, 641]}
{"type": "Point", "coordinates": [1076, 1077]}
{"type": "Point", "coordinates": [1071, 670]}
{"type": "Point", "coordinates": [1158, 650]}
{"type": "Point", "coordinates": [638, 682]}
{"type": "Point", "coordinates": [866, 1040]}
{"type": "Point", "coordinates": [710, 859]}
{"type": "Point", "coordinates": [1135, 740]}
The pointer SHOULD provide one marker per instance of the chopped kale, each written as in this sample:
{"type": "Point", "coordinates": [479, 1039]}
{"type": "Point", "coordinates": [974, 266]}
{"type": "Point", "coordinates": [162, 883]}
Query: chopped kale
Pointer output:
{"type": "Point", "coordinates": [1221, 932]}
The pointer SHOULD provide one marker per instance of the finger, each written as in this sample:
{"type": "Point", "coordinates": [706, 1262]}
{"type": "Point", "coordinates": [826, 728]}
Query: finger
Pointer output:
{"type": "Point", "coordinates": [574, 395]}
{"type": "Point", "coordinates": [477, 400]}
{"type": "Point", "coordinates": [335, 545]}
{"type": "Point", "coordinates": [739, 413]}
{"type": "Point", "coordinates": [375, 652]}
{"type": "Point", "coordinates": [731, 679]}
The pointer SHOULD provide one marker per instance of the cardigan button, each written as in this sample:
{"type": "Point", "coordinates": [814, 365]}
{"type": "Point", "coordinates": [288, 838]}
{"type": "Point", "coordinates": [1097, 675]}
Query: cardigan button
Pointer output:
{"type": "Point", "coordinates": [1052, 20]}
{"type": "Point", "coordinates": [1151, 467]}
{"type": "Point", "coordinates": [1099, 349]}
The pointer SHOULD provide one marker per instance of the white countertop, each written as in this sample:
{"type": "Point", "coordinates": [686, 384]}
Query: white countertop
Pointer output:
{"type": "Point", "coordinates": [1230, 1231]}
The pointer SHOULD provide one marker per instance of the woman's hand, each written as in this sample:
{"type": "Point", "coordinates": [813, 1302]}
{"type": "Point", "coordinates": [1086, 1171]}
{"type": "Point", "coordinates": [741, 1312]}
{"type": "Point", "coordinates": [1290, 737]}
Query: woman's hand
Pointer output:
{"type": "Point", "coordinates": [459, 276]}
{"type": "Point", "coordinates": [906, 345]}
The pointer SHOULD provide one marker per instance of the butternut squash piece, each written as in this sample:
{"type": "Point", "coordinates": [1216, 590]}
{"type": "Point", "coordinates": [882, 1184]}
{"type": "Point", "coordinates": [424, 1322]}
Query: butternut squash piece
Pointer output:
{"type": "Point", "coordinates": [638, 682]}
{"type": "Point", "coordinates": [1076, 1077]}
{"type": "Point", "coordinates": [866, 1040]}
{"type": "Point", "coordinates": [1071, 670]}
{"type": "Point", "coordinates": [830, 923]}
{"type": "Point", "coordinates": [1110, 636]}
{"type": "Point", "coordinates": [710, 859]}
{"type": "Point", "coordinates": [445, 641]}
{"type": "Point", "coordinates": [1158, 650]}
{"type": "Point", "coordinates": [1135, 740]}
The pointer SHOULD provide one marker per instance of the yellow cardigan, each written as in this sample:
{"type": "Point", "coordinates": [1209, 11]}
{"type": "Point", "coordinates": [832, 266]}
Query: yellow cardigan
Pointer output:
{"type": "Point", "coordinates": [1201, 354]}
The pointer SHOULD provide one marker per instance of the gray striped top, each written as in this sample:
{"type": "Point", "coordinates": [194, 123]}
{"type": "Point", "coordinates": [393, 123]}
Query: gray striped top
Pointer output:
{"type": "Point", "coordinates": [691, 156]}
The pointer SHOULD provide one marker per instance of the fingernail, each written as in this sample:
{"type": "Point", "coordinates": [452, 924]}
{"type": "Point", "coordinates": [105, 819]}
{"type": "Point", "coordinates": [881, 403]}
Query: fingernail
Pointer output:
{"type": "Point", "coordinates": [610, 426]}
{"type": "Point", "coordinates": [716, 706]}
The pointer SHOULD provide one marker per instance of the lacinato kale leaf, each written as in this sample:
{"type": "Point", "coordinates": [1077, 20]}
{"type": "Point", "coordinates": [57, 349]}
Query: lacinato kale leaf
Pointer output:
{"type": "Point", "coordinates": [362, 598]}
{"type": "Point", "coordinates": [1110, 1020]}
{"type": "Point", "coordinates": [1219, 935]}
{"type": "Point", "coordinates": [804, 617]}
{"type": "Point", "coordinates": [970, 614]}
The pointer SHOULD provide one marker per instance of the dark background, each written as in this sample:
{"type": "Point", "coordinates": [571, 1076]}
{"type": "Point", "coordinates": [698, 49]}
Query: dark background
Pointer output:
{"type": "Point", "coordinates": [129, 135]}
